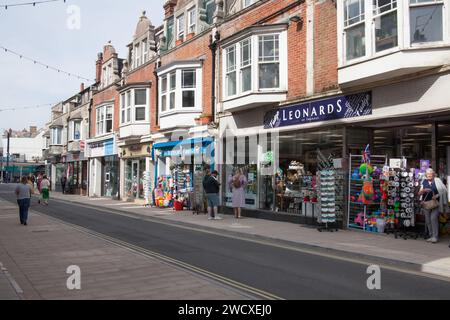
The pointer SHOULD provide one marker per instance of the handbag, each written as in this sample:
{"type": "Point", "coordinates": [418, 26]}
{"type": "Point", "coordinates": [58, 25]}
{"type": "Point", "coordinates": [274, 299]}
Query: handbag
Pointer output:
{"type": "Point", "coordinates": [430, 205]}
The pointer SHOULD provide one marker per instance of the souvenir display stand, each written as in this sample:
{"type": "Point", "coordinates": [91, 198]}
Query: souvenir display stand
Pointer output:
{"type": "Point", "coordinates": [327, 199]}
{"type": "Point", "coordinates": [365, 193]}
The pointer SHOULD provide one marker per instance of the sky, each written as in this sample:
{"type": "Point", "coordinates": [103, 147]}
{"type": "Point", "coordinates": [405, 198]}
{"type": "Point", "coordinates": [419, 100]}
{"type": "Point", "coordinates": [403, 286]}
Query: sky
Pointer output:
{"type": "Point", "coordinates": [42, 33]}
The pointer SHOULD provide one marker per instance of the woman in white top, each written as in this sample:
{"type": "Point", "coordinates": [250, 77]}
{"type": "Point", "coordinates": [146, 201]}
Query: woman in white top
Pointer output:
{"type": "Point", "coordinates": [45, 190]}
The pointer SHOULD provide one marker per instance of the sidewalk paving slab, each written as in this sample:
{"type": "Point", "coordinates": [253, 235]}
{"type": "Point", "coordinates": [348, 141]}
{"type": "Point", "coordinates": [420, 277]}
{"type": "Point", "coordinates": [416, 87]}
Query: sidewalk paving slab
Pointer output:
{"type": "Point", "coordinates": [416, 255]}
{"type": "Point", "coordinates": [38, 261]}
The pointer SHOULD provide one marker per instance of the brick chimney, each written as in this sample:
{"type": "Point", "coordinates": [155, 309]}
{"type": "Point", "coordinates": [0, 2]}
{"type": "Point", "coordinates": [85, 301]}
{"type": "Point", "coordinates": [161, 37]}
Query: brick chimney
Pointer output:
{"type": "Point", "coordinates": [33, 130]}
{"type": "Point", "coordinates": [98, 70]}
{"type": "Point", "coordinates": [169, 8]}
{"type": "Point", "coordinates": [82, 87]}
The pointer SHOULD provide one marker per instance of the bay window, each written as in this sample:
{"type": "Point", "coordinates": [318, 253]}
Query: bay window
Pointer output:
{"type": "Point", "coordinates": [181, 88]}
{"type": "Point", "coordinates": [135, 102]}
{"type": "Point", "coordinates": [426, 20]}
{"type": "Point", "coordinates": [164, 93]}
{"type": "Point", "coordinates": [173, 85]}
{"type": "Point", "coordinates": [231, 70]}
{"type": "Point", "coordinates": [55, 136]}
{"type": "Point", "coordinates": [188, 88]}
{"type": "Point", "coordinates": [75, 130]}
{"type": "Point", "coordinates": [269, 62]}
{"type": "Point", "coordinates": [104, 119]}
{"type": "Point", "coordinates": [385, 23]}
{"type": "Point", "coordinates": [122, 108]}
{"type": "Point", "coordinates": [256, 63]}
{"type": "Point", "coordinates": [354, 28]}
{"type": "Point", "coordinates": [140, 104]}
{"type": "Point", "coordinates": [246, 65]}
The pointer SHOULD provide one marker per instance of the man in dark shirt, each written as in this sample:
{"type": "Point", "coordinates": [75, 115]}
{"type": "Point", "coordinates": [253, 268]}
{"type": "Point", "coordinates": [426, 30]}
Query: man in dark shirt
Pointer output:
{"type": "Point", "coordinates": [212, 188]}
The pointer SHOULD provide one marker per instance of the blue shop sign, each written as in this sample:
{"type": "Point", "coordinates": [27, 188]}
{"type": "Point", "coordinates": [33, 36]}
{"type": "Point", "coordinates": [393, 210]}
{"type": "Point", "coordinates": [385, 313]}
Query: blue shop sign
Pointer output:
{"type": "Point", "coordinates": [341, 107]}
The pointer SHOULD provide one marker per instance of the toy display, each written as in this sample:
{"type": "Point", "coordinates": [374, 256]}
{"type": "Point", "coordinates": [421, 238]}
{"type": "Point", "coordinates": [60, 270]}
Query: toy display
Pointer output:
{"type": "Point", "coordinates": [327, 198]}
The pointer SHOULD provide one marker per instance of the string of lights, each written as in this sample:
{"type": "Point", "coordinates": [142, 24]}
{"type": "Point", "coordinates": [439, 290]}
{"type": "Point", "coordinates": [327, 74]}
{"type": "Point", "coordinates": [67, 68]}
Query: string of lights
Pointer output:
{"type": "Point", "coordinates": [36, 62]}
{"type": "Point", "coordinates": [2, 109]}
{"type": "Point", "coordinates": [34, 3]}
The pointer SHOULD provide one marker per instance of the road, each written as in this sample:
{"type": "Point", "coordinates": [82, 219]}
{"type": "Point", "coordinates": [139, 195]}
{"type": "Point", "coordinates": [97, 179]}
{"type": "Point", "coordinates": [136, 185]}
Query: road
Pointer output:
{"type": "Point", "coordinates": [277, 272]}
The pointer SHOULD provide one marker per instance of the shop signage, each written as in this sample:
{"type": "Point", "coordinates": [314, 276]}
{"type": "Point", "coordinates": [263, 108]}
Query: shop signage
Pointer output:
{"type": "Point", "coordinates": [101, 148]}
{"type": "Point", "coordinates": [341, 107]}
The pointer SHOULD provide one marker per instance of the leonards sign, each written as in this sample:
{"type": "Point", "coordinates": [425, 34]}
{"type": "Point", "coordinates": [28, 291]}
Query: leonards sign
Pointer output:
{"type": "Point", "coordinates": [341, 107]}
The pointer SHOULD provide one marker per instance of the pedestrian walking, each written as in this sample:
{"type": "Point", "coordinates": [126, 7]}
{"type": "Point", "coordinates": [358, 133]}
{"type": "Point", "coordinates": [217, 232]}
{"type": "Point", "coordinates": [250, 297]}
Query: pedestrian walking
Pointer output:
{"type": "Point", "coordinates": [63, 184]}
{"type": "Point", "coordinates": [45, 190]}
{"type": "Point", "coordinates": [434, 199]}
{"type": "Point", "coordinates": [237, 184]}
{"type": "Point", "coordinates": [23, 193]}
{"type": "Point", "coordinates": [211, 186]}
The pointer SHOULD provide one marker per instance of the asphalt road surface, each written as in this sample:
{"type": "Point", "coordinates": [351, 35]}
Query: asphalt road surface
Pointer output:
{"type": "Point", "coordinates": [283, 272]}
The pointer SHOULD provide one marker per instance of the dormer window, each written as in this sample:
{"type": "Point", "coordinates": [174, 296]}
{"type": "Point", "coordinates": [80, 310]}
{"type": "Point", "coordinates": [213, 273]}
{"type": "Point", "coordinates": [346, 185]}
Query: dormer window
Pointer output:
{"type": "Point", "coordinates": [144, 51]}
{"type": "Point", "coordinates": [137, 53]}
{"type": "Point", "coordinates": [180, 27]}
{"type": "Point", "coordinates": [192, 20]}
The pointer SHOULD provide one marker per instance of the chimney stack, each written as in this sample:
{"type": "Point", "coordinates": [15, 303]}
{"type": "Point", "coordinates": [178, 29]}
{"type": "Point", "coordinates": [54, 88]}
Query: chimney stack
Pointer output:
{"type": "Point", "coordinates": [82, 87]}
{"type": "Point", "coordinates": [99, 63]}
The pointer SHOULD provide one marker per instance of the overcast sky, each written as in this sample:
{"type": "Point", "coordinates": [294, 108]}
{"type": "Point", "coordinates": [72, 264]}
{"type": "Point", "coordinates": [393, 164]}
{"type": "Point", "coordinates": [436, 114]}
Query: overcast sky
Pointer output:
{"type": "Point", "coordinates": [41, 33]}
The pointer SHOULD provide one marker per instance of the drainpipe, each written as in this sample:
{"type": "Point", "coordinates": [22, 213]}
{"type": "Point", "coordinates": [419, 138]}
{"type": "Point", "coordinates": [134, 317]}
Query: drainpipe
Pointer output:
{"type": "Point", "coordinates": [88, 171]}
{"type": "Point", "coordinates": [157, 65]}
{"type": "Point", "coordinates": [213, 47]}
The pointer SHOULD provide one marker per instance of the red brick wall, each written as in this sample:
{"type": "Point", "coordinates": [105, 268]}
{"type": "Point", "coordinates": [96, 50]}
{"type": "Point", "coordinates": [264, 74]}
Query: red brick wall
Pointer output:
{"type": "Point", "coordinates": [325, 64]}
{"type": "Point", "coordinates": [107, 94]}
{"type": "Point", "coordinates": [193, 50]}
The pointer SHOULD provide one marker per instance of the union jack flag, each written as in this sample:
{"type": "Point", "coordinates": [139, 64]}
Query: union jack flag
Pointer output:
{"type": "Point", "coordinates": [366, 154]}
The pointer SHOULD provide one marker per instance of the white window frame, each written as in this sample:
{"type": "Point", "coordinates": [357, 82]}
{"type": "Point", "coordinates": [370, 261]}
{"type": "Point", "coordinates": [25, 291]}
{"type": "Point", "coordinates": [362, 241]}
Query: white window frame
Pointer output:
{"type": "Point", "coordinates": [246, 64]}
{"type": "Point", "coordinates": [72, 130]}
{"type": "Point", "coordinates": [192, 20]}
{"type": "Point", "coordinates": [185, 88]}
{"type": "Point", "coordinates": [445, 18]}
{"type": "Point", "coordinates": [137, 58]}
{"type": "Point", "coordinates": [247, 3]}
{"type": "Point", "coordinates": [177, 91]}
{"type": "Point", "coordinates": [56, 136]}
{"type": "Point", "coordinates": [347, 24]}
{"type": "Point", "coordinates": [101, 119]}
{"type": "Point", "coordinates": [231, 70]}
{"type": "Point", "coordinates": [172, 87]}
{"type": "Point", "coordinates": [376, 13]}
{"type": "Point", "coordinates": [164, 93]}
{"type": "Point", "coordinates": [253, 37]}
{"type": "Point", "coordinates": [144, 45]}
{"type": "Point", "coordinates": [270, 59]}
{"type": "Point", "coordinates": [181, 27]}
{"type": "Point", "coordinates": [129, 109]}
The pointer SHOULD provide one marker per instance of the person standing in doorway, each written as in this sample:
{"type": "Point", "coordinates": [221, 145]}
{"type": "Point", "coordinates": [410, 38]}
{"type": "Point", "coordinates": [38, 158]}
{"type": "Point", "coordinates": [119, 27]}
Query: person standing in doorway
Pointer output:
{"type": "Point", "coordinates": [212, 187]}
{"type": "Point", "coordinates": [237, 184]}
{"type": "Point", "coordinates": [45, 190]}
{"type": "Point", "coordinates": [23, 193]}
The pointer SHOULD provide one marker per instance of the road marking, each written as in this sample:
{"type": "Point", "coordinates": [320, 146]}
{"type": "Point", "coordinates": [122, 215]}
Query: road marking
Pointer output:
{"type": "Point", "coordinates": [267, 243]}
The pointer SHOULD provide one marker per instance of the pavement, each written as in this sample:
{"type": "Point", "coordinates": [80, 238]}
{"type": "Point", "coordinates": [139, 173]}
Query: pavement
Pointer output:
{"type": "Point", "coordinates": [34, 261]}
{"type": "Point", "coordinates": [410, 254]}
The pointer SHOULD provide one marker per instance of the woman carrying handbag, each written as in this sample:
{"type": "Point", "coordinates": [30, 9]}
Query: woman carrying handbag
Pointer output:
{"type": "Point", "coordinates": [434, 201]}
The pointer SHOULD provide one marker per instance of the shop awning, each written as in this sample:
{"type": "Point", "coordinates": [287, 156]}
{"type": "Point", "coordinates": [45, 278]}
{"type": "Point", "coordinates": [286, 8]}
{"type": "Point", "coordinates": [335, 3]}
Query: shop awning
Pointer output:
{"type": "Point", "coordinates": [205, 141]}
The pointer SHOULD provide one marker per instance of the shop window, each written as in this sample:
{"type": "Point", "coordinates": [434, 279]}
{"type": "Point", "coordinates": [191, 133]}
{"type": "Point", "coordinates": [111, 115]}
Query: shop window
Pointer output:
{"type": "Point", "coordinates": [426, 20]}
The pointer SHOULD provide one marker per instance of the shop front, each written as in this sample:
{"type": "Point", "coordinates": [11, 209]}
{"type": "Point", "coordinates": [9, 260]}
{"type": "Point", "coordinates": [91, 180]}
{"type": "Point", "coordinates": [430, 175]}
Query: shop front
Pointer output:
{"type": "Point", "coordinates": [76, 173]}
{"type": "Point", "coordinates": [307, 162]}
{"type": "Point", "coordinates": [180, 167]}
{"type": "Point", "coordinates": [137, 171]}
{"type": "Point", "coordinates": [104, 169]}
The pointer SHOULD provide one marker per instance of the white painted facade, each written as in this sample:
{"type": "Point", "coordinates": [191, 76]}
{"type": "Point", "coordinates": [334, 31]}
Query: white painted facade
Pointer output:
{"type": "Point", "coordinates": [28, 148]}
